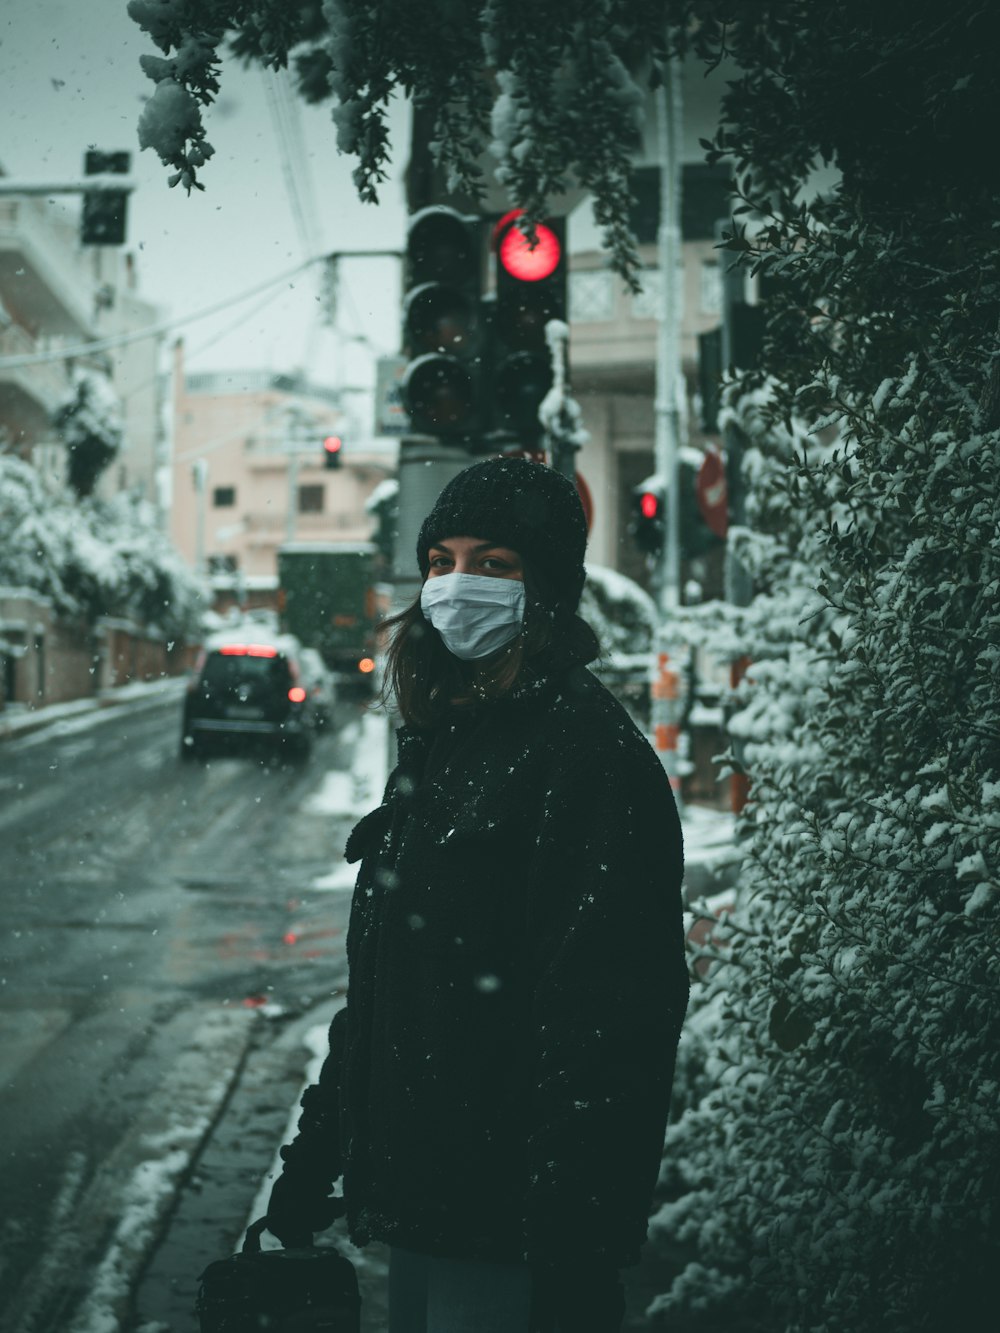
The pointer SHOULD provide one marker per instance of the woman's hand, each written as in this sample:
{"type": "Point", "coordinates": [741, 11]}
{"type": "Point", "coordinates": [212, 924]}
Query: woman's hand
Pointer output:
{"type": "Point", "coordinates": [296, 1209]}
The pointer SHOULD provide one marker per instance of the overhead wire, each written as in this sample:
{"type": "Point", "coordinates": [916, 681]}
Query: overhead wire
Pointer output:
{"type": "Point", "coordinates": [292, 152]}
{"type": "Point", "coordinates": [192, 353]}
{"type": "Point", "coordinates": [150, 330]}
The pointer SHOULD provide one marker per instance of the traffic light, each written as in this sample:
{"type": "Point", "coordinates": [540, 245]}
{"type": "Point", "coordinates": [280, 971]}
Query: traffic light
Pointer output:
{"type": "Point", "coordinates": [530, 291]}
{"type": "Point", "coordinates": [441, 324]}
{"type": "Point", "coordinates": [102, 221]}
{"type": "Point", "coordinates": [710, 370]}
{"type": "Point", "coordinates": [741, 339]}
{"type": "Point", "coordinates": [332, 447]}
{"type": "Point", "coordinates": [648, 523]}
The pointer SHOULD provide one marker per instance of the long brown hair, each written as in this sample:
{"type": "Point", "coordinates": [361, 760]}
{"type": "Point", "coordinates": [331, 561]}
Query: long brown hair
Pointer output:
{"type": "Point", "coordinates": [426, 680]}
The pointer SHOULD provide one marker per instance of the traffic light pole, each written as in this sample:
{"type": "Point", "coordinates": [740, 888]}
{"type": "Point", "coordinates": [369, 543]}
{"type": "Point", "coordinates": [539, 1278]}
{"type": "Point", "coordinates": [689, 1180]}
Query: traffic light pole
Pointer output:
{"type": "Point", "coordinates": [666, 683]}
{"type": "Point", "coordinates": [561, 436]}
{"type": "Point", "coordinates": [668, 108]}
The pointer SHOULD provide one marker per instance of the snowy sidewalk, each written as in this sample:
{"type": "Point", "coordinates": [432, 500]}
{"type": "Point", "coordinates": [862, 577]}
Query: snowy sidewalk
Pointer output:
{"type": "Point", "coordinates": [78, 714]}
{"type": "Point", "coordinates": [711, 860]}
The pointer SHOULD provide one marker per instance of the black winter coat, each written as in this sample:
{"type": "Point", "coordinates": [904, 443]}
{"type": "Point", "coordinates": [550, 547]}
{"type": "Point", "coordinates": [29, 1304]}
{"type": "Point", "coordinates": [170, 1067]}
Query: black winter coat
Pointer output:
{"type": "Point", "coordinates": [516, 987]}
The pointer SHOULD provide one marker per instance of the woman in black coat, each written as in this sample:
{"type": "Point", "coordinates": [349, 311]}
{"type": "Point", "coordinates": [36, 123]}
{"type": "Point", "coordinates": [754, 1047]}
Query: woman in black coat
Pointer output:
{"type": "Point", "coordinates": [497, 1087]}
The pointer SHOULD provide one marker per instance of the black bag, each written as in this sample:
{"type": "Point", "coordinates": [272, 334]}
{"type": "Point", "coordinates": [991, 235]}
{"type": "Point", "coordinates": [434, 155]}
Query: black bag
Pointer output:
{"type": "Point", "coordinates": [282, 1291]}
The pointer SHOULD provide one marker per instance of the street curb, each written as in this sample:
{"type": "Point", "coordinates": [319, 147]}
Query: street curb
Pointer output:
{"type": "Point", "coordinates": [94, 706]}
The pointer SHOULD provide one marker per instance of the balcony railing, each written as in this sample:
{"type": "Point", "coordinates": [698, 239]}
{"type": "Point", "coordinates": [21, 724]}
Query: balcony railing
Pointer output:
{"type": "Point", "coordinates": [45, 382]}
{"type": "Point", "coordinates": [40, 267]}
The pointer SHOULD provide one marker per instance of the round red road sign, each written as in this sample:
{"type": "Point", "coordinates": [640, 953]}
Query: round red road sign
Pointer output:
{"type": "Point", "coordinates": [710, 489]}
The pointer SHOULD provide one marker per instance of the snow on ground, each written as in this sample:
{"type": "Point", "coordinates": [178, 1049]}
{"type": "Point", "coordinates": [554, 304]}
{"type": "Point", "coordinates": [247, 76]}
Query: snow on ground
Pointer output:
{"type": "Point", "coordinates": [199, 1083]}
{"type": "Point", "coordinates": [360, 790]}
{"type": "Point", "coordinates": [340, 879]}
{"type": "Point", "coordinates": [708, 833]}
{"type": "Point", "coordinates": [356, 792]}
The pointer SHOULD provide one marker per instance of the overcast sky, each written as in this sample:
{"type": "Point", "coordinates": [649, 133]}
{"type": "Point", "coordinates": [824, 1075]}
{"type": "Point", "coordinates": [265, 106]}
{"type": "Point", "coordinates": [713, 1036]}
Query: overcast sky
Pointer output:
{"type": "Point", "coordinates": [70, 79]}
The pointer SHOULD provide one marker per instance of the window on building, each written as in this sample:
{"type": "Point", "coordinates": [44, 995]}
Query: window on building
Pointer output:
{"type": "Point", "coordinates": [591, 295]}
{"type": "Point", "coordinates": [710, 289]}
{"type": "Point", "coordinates": [311, 499]}
{"type": "Point", "coordinates": [222, 564]}
{"type": "Point", "coordinates": [646, 303]}
{"type": "Point", "coordinates": [224, 497]}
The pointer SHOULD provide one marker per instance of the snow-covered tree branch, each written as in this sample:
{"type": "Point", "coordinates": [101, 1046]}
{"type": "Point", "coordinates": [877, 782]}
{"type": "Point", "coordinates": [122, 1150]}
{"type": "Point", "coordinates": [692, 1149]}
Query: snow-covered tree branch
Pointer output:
{"type": "Point", "coordinates": [555, 91]}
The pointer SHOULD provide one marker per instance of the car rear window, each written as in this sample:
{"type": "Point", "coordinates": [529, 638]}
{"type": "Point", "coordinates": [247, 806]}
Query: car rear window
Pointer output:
{"type": "Point", "coordinates": [225, 672]}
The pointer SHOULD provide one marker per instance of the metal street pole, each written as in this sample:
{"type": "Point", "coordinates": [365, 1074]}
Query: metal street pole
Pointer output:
{"type": "Point", "coordinates": [293, 493]}
{"type": "Point", "coordinates": [199, 474]}
{"type": "Point", "coordinates": [666, 682]}
{"type": "Point", "coordinates": [668, 418]}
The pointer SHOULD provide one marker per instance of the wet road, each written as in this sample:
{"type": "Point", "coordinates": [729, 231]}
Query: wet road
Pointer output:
{"type": "Point", "coordinates": [164, 924]}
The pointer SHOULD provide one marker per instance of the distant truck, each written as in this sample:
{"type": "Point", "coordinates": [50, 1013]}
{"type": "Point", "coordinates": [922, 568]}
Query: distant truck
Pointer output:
{"type": "Point", "coordinates": [327, 599]}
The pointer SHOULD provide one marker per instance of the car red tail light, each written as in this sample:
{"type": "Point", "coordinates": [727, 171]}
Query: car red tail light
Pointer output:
{"type": "Point", "coordinates": [297, 694]}
{"type": "Point", "coordinates": [248, 650]}
{"type": "Point", "coordinates": [366, 666]}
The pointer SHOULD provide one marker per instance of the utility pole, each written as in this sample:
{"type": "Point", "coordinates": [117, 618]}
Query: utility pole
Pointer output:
{"type": "Point", "coordinates": [741, 333]}
{"type": "Point", "coordinates": [667, 674]}
{"type": "Point", "coordinates": [199, 474]}
{"type": "Point", "coordinates": [668, 418]}
{"type": "Point", "coordinates": [741, 330]}
{"type": "Point", "coordinates": [293, 492]}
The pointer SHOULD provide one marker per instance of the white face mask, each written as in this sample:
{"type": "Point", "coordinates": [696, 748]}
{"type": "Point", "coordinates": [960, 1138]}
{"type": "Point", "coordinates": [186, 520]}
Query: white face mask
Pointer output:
{"type": "Point", "coordinates": [474, 614]}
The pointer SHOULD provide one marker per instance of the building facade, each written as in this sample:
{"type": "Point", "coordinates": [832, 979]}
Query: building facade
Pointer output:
{"type": "Point", "coordinates": [58, 301]}
{"type": "Point", "coordinates": [248, 474]}
{"type": "Point", "coordinates": [56, 297]}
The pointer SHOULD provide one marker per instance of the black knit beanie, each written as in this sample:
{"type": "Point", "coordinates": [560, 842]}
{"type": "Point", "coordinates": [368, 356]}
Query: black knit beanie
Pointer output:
{"type": "Point", "coordinates": [520, 504]}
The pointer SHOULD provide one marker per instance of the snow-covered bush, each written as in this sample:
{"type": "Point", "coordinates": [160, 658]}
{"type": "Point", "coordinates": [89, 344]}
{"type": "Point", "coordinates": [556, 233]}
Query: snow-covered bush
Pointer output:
{"type": "Point", "coordinates": [621, 614]}
{"type": "Point", "coordinates": [88, 422]}
{"type": "Point", "coordinates": [836, 1160]}
{"type": "Point", "coordinates": [92, 557]}
{"type": "Point", "coordinates": [840, 1165]}
{"type": "Point", "coordinates": [32, 541]}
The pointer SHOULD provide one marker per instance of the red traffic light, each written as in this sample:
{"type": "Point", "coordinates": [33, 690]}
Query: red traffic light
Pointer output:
{"type": "Point", "coordinates": [518, 257]}
{"type": "Point", "coordinates": [649, 504]}
{"type": "Point", "coordinates": [333, 444]}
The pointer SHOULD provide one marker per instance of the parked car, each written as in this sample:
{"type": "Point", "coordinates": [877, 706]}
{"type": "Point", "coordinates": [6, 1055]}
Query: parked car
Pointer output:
{"type": "Point", "coordinates": [318, 680]}
{"type": "Point", "coordinates": [246, 690]}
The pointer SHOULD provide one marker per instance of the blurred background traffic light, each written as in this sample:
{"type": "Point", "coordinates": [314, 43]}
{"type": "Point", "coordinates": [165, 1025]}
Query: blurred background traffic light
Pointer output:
{"type": "Point", "coordinates": [102, 221]}
{"type": "Point", "coordinates": [702, 504]}
{"type": "Point", "coordinates": [332, 448]}
{"type": "Point", "coordinates": [648, 520]}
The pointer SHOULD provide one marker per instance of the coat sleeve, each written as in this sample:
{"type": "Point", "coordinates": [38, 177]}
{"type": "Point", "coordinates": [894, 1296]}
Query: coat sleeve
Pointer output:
{"type": "Point", "coordinates": [610, 987]}
{"type": "Point", "coordinates": [315, 1152]}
